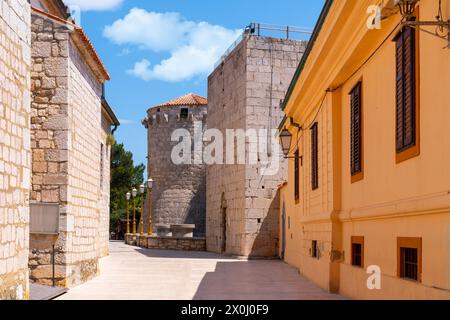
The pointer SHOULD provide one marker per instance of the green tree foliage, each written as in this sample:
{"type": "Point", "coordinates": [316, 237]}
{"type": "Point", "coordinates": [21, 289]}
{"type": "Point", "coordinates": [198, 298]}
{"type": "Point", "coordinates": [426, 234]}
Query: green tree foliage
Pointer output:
{"type": "Point", "coordinates": [124, 177]}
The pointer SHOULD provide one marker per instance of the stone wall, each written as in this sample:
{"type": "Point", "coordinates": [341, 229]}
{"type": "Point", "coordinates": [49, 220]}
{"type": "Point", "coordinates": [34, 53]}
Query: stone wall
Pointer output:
{"type": "Point", "coordinates": [67, 140]}
{"type": "Point", "coordinates": [166, 243]}
{"type": "Point", "coordinates": [49, 140]}
{"type": "Point", "coordinates": [15, 156]}
{"type": "Point", "coordinates": [105, 176]}
{"type": "Point", "coordinates": [179, 193]}
{"type": "Point", "coordinates": [245, 92]}
{"type": "Point", "coordinates": [85, 196]}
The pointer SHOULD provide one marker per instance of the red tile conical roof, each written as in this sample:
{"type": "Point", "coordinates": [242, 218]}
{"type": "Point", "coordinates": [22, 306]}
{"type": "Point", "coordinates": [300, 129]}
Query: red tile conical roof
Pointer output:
{"type": "Point", "coordinates": [190, 99]}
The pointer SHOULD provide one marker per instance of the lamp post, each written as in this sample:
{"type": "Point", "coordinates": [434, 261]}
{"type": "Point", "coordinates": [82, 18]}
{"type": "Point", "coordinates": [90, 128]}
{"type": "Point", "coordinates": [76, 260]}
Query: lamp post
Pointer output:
{"type": "Point", "coordinates": [150, 187]}
{"type": "Point", "coordinates": [141, 220]}
{"type": "Point", "coordinates": [134, 192]}
{"type": "Point", "coordinates": [128, 212]}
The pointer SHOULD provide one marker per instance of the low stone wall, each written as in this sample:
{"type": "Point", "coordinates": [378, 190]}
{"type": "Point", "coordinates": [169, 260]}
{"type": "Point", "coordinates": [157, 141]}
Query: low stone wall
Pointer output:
{"type": "Point", "coordinates": [166, 243]}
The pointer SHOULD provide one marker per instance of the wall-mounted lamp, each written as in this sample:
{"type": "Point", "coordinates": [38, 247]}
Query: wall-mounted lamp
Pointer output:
{"type": "Point", "coordinates": [407, 9]}
{"type": "Point", "coordinates": [286, 139]}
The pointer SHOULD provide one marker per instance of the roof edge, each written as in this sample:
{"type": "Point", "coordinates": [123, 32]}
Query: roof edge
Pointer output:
{"type": "Point", "coordinates": [110, 112]}
{"type": "Point", "coordinates": [174, 102]}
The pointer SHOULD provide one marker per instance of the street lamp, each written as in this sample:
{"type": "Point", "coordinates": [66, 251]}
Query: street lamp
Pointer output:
{"type": "Point", "coordinates": [128, 195]}
{"type": "Point", "coordinates": [134, 193]}
{"type": "Point", "coordinates": [150, 187]}
{"type": "Point", "coordinates": [141, 222]}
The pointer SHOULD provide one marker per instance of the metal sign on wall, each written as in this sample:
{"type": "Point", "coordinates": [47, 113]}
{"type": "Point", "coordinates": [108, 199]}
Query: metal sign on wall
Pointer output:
{"type": "Point", "coordinates": [44, 218]}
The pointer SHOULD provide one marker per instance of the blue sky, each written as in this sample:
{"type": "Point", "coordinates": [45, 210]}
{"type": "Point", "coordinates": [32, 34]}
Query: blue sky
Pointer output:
{"type": "Point", "coordinates": [157, 50]}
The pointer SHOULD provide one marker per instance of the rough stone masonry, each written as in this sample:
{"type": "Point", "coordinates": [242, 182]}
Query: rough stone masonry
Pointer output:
{"type": "Point", "coordinates": [69, 154]}
{"type": "Point", "coordinates": [245, 92]}
{"type": "Point", "coordinates": [15, 156]}
{"type": "Point", "coordinates": [179, 191]}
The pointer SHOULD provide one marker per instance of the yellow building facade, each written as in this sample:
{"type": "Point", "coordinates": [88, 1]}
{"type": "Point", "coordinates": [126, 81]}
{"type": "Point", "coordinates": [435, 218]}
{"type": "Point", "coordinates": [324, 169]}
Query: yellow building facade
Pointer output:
{"type": "Point", "coordinates": [366, 209]}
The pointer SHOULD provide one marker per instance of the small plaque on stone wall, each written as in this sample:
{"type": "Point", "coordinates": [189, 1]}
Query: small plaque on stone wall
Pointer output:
{"type": "Point", "coordinates": [44, 218]}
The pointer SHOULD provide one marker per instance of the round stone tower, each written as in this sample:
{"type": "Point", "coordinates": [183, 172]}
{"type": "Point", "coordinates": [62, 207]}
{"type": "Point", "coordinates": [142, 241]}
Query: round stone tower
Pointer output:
{"type": "Point", "coordinates": [179, 190]}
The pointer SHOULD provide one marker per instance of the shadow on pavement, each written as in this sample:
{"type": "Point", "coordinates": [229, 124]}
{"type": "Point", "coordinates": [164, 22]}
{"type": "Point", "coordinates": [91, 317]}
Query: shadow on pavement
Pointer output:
{"type": "Point", "coordinates": [173, 254]}
{"type": "Point", "coordinates": [258, 280]}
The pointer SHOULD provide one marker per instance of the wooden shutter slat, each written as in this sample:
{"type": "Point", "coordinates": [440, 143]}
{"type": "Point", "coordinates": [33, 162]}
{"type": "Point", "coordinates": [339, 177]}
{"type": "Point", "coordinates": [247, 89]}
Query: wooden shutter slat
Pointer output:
{"type": "Point", "coordinates": [405, 89]}
{"type": "Point", "coordinates": [399, 92]}
{"type": "Point", "coordinates": [314, 157]}
{"type": "Point", "coordinates": [409, 86]}
{"type": "Point", "coordinates": [297, 175]}
{"type": "Point", "coordinates": [356, 130]}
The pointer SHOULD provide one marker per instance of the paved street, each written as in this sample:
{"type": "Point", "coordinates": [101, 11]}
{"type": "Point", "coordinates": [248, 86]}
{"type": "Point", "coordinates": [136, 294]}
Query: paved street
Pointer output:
{"type": "Point", "coordinates": [135, 273]}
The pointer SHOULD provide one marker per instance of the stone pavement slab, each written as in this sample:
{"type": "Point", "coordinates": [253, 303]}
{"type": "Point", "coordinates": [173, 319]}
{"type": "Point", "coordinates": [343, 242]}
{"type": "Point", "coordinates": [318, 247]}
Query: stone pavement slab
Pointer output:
{"type": "Point", "coordinates": [138, 274]}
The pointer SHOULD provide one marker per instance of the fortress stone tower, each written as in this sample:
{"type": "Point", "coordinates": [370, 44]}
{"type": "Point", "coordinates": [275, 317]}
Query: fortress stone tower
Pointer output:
{"type": "Point", "coordinates": [179, 190]}
{"type": "Point", "coordinates": [245, 92]}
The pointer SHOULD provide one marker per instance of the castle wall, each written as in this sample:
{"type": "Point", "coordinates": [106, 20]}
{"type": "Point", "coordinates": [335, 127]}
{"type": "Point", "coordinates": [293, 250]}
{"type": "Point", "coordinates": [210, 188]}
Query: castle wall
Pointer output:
{"type": "Point", "coordinates": [15, 155]}
{"type": "Point", "coordinates": [179, 191]}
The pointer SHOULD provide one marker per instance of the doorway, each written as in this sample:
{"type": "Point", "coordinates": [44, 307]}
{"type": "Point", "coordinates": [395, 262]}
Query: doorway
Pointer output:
{"type": "Point", "coordinates": [223, 228]}
{"type": "Point", "coordinates": [223, 225]}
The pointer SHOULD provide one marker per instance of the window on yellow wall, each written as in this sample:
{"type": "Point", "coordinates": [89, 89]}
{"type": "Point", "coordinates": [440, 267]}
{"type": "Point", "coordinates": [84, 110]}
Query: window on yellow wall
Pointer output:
{"type": "Point", "coordinates": [315, 156]}
{"type": "Point", "coordinates": [409, 258]}
{"type": "Point", "coordinates": [314, 249]}
{"type": "Point", "coordinates": [356, 133]}
{"type": "Point", "coordinates": [358, 251]}
{"type": "Point", "coordinates": [297, 176]}
{"type": "Point", "coordinates": [407, 102]}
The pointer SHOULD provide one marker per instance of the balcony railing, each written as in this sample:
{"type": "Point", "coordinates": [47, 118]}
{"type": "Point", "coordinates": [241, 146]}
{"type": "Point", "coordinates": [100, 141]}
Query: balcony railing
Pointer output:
{"type": "Point", "coordinates": [266, 30]}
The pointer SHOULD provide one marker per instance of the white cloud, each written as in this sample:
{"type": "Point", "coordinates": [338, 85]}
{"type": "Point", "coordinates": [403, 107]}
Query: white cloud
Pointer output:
{"type": "Point", "coordinates": [142, 70]}
{"type": "Point", "coordinates": [126, 121]}
{"type": "Point", "coordinates": [94, 5]}
{"type": "Point", "coordinates": [194, 47]}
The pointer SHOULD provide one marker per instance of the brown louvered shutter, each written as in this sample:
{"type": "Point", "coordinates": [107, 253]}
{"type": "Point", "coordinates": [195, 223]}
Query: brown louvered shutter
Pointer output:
{"type": "Point", "coordinates": [399, 92]}
{"type": "Point", "coordinates": [314, 157]}
{"type": "Point", "coordinates": [297, 175]}
{"type": "Point", "coordinates": [409, 97]}
{"type": "Point", "coordinates": [405, 89]}
{"type": "Point", "coordinates": [356, 130]}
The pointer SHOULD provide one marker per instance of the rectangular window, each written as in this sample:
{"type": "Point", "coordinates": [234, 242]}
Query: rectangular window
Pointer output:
{"type": "Point", "coordinates": [407, 120]}
{"type": "Point", "coordinates": [314, 157]}
{"type": "Point", "coordinates": [184, 113]}
{"type": "Point", "coordinates": [314, 249]}
{"type": "Point", "coordinates": [409, 256]}
{"type": "Point", "coordinates": [297, 176]}
{"type": "Point", "coordinates": [356, 133]}
{"type": "Point", "coordinates": [102, 164]}
{"type": "Point", "coordinates": [358, 252]}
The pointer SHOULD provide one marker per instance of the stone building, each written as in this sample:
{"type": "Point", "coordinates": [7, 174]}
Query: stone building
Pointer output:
{"type": "Point", "coordinates": [179, 189]}
{"type": "Point", "coordinates": [244, 92]}
{"type": "Point", "coordinates": [70, 141]}
{"type": "Point", "coordinates": [15, 154]}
